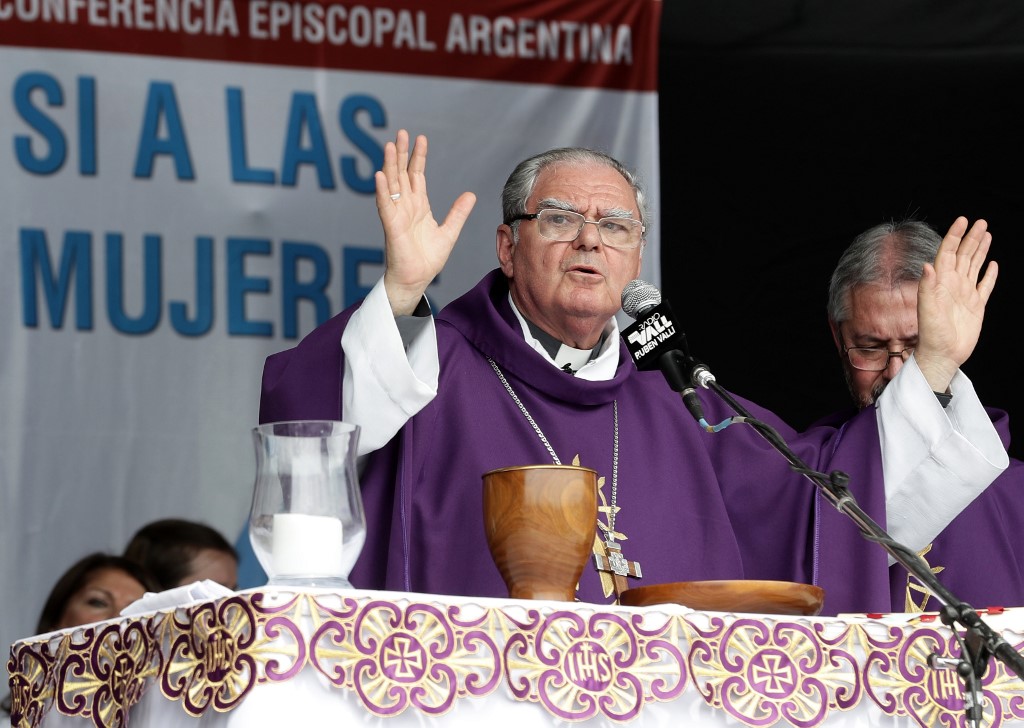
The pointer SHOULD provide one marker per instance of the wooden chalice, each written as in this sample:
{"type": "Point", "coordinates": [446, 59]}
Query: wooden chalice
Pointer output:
{"type": "Point", "coordinates": [540, 522]}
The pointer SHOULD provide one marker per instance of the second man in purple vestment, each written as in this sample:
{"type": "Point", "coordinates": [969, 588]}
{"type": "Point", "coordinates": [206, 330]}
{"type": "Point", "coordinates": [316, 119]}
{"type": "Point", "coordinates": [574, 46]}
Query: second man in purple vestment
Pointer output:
{"type": "Point", "coordinates": [872, 313]}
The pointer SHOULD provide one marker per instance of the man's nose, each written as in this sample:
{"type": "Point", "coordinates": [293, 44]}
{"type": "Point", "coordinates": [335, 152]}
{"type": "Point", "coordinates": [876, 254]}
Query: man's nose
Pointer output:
{"type": "Point", "coordinates": [589, 237]}
{"type": "Point", "coordinates": [895, 363]}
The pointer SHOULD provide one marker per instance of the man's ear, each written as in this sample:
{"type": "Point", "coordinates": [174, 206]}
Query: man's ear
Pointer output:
{"type": "Point", "coordinates": [504, 243]}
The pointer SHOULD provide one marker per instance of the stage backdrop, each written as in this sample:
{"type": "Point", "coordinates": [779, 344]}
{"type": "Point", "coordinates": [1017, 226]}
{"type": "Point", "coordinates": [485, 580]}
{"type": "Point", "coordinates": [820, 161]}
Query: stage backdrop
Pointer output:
{"type": "Point", "coordinates": [186, 186]}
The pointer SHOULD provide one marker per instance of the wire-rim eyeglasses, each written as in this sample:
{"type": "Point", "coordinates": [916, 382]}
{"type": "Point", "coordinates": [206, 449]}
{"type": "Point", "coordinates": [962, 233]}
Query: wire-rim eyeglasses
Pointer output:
{"type": "Point", "coordinates": [564, 226]}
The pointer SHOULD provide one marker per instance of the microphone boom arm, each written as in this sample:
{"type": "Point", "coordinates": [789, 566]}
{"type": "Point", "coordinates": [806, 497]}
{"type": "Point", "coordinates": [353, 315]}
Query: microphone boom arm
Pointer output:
{"type": "Point", "coordinates": [833, 487]}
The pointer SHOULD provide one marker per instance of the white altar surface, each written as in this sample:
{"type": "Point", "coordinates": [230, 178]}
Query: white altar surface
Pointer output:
{"type": "Point", "coordinates": [271, 657]}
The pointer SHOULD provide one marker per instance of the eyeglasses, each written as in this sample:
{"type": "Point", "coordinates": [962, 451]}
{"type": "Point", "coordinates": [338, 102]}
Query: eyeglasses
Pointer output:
{"type": "Point", "coordinates": [873, 359]}
{"type": "Point", "coordinates": [564, 226]}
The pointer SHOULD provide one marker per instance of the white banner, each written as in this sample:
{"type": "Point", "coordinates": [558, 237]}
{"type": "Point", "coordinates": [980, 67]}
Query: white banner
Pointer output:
{"type": "Point", "coordinates": [186, 186]}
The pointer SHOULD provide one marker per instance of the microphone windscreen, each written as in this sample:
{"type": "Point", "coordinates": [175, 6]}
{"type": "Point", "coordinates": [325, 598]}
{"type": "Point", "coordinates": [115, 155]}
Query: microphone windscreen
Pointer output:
{"type": "Point", "coordinates": [639, 296]}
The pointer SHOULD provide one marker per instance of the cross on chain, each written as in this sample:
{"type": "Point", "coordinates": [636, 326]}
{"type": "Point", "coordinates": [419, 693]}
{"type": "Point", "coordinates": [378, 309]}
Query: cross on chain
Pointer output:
{"type": "Point", "coordinates": [608, 558]}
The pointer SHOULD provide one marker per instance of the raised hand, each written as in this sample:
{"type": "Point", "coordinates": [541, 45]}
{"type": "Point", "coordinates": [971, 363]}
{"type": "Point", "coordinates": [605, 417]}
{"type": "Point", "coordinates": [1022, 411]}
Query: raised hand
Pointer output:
{"type": "Point", "coordinates": [416, 247]}
{"type": "Point", "coordinates": [951, 301]}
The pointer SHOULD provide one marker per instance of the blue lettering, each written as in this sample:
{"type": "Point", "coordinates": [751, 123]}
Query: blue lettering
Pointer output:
{"type": "Point", "coordinates": [151, 286]}
{"type": "Point", "coordinates": [240, 170]}
{"type": "Point", "coordinates": [87, 126]}
{"type": "Point", "coordinates": [76, 259]}
{"type": "Point", "coordinates": [161, 104]}
{"type": "Point", "coordinates": [305, 117]}
{"type": "Point", "coordinates": [306, 274]}
{"type": "Point", "coordinates": [363, 141]}
{"type": "Point", "coordinates": [293, 290]}
{"type": "Point", "coordinates": [203, 321]}
{"type": "Point", "coordinates": [239, 284]}
{"type": "Point", "coordinates": [51, 133]}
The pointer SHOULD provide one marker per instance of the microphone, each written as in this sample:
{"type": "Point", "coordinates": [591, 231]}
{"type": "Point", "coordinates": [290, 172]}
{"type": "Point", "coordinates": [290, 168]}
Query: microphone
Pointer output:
{"type": "Point", "coordinates": [655, 333]}
{"type": "Point", "coordinates": [656, 341]}
{"type": "Point", "coordinates": [639, 297]}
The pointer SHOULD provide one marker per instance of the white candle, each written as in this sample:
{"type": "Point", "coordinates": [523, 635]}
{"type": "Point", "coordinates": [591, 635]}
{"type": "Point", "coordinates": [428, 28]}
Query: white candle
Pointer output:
{"type": "Point", "coordinates": [305, 545]}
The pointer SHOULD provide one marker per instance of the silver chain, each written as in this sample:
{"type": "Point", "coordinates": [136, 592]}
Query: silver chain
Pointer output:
{"type": "Point", "coordinates": [551, 450]}
{"type": "Point", "coordinates": [523, 409]}
{"type": "Point", "coordinates": [615, 469]}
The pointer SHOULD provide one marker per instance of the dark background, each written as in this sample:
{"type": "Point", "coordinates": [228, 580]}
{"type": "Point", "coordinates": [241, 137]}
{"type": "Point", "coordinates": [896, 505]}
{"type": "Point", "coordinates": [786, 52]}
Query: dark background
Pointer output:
{"type": "Point", "coordinates": [788, 128]}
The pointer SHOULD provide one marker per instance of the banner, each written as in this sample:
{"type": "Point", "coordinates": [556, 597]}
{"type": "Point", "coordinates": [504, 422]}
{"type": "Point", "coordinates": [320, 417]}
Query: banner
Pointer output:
{"type": "Point", "coordinates": [186, 186]}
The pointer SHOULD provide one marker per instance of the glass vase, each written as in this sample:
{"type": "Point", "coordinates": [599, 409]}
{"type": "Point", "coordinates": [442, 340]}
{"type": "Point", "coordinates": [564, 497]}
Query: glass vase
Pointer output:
{"type": "Point", "coordinates": [307, 525]}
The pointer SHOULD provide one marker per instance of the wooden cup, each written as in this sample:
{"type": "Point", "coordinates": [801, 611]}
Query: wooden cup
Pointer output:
{"type": "Point", "coordinates": [540, 522]}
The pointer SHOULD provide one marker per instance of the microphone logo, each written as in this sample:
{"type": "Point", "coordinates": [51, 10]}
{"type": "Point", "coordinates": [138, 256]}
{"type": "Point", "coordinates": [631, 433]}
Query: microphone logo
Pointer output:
{"type": "Point", "coordinates": [647, 334]}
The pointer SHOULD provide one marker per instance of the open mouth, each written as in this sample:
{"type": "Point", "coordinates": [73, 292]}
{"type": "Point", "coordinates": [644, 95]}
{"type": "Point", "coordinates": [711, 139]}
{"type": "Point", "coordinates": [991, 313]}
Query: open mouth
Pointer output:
{"type": "Point", "coordinates": [589, 270]}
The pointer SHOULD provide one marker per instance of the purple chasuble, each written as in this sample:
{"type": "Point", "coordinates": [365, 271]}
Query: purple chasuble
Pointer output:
{"type": "Point", "coordinates": [976, 557]}
{"type": "Point", "coordinates": [692, 505]}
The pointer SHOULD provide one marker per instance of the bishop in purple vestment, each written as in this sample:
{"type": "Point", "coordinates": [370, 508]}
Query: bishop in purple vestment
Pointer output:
{"type": "Point", "coordinates": [684, 503]}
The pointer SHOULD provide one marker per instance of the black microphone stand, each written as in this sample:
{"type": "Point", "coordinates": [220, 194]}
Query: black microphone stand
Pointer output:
{"type": "Point", "coordinates": [980, 641]}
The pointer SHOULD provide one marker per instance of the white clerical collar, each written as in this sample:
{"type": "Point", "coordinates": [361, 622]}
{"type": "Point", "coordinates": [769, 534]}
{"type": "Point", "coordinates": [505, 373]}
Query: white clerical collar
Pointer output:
{"type": "Point", "coordinates": [583, 362]}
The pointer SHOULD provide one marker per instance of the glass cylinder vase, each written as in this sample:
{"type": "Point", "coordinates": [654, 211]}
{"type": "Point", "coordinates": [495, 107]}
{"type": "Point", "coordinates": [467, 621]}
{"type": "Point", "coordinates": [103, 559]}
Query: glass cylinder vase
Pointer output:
{"type": "Point", "coordinates": [307, 525]}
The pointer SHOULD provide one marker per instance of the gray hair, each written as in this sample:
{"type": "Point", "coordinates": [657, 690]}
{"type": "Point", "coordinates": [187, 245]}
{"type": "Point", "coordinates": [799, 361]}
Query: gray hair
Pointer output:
{"type": "Point", "coordinates": [521, 182]}
{"type": "Point", "coordinates": [891, 253]}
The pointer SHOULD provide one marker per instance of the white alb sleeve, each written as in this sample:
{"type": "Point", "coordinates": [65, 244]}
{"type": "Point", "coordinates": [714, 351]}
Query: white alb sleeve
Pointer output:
{"type": "Point", "coordinates": [391, 369]}
{"type": "Point", "coordinates": [935, 461]}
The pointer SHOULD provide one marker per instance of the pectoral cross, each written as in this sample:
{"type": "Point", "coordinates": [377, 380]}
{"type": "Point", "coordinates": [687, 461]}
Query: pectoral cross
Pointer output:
{"type": "Point", "coordinates": [613, 565]}
{"type": "Point", "coordinates": [913, 587]}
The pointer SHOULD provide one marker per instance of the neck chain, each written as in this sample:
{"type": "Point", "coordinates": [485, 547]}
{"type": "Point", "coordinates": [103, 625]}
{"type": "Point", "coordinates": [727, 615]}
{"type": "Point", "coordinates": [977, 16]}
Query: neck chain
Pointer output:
{"type": "Point", "coordinates": [551, 450]}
